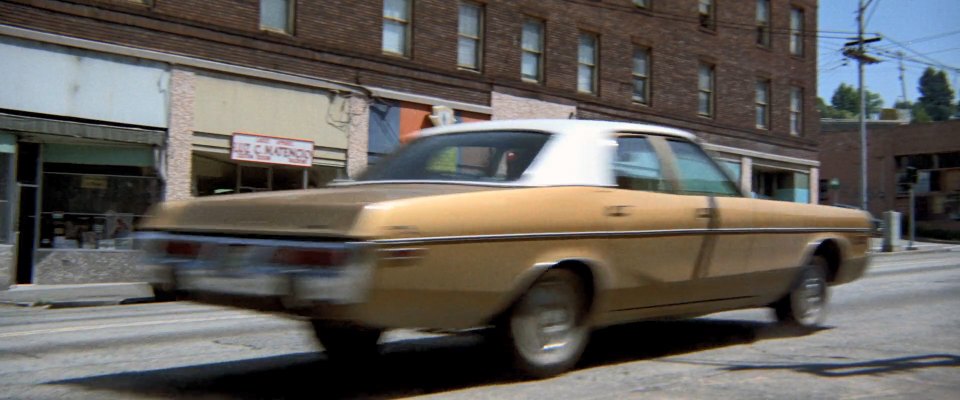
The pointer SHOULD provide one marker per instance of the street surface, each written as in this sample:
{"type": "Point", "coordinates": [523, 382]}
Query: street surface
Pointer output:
{"type": "Point", "coordinates": [893, 334]}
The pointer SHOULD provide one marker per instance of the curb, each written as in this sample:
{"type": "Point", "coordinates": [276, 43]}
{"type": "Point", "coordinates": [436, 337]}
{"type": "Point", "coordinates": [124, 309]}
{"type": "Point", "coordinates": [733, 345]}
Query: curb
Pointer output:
{"type": "Point", "coordinates": [78, 295]}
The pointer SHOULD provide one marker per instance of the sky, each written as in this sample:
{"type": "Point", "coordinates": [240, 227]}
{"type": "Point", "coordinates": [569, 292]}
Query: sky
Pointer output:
{"type": "Point", "coordinates": [926, 31]}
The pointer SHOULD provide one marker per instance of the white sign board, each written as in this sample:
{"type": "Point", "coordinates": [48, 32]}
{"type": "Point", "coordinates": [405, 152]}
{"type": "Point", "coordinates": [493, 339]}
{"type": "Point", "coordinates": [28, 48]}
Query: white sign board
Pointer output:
{"type": "Point", "coordinates": [271, 150]}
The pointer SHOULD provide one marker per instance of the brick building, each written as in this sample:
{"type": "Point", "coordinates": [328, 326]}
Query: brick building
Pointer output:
{"type": "Point", "coordinates": [112, 105]}
{"type": "Point", "coordinates": [932, 148]}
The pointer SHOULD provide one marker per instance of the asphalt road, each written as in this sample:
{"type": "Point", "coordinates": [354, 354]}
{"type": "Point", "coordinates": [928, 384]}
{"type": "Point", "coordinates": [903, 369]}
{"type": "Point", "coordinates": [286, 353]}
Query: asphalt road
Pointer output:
{"type": "Point", "coordinates": [893, 334]}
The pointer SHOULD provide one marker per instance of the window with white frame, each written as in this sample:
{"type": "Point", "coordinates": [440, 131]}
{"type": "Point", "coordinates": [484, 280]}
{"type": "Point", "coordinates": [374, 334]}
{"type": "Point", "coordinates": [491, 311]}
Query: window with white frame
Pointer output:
{"type": "Point", "coordinates": [396, 27]}
{"type": "Point", "coordinates": [705, 86]}
{"type": "Point", "coordinates": [531, 68]}
{"type": "Point", "coordinates": [470, 36]}
{"type": "Point", "coordinates": [796, 31]}
{"type": "Point", "coordinates": [762, 103]}
{"type": "Point", "coordinates": [277, 15]}
{"type": "Point", "coordinates": [763, 23]}
{"type": "Point", "coordinates": [708, 14]}
{"type": "Point", "coordinates": [641, 75]}
{"type": "Point", "coordinates": [796, 111]}
{"type": "Point", "coordinates": [587, 63]}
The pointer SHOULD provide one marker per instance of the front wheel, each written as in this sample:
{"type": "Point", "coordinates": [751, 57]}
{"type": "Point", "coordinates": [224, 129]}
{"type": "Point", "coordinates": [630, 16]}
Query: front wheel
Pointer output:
{"type": "Point", "coordinates": [347, 342]}
{"type": "Point", "coordinates": [806, 304]}
{"type": "Point", "coordinates": [546, 330]}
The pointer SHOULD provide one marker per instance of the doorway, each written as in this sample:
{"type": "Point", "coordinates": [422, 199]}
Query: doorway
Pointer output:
{"type": "Point", "coordinates": [28, 172]}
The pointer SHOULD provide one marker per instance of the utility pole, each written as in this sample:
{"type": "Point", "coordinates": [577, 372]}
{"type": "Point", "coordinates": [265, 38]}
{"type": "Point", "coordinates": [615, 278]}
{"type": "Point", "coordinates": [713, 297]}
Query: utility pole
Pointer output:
{"type": "Point", "coordinates": [859, 53]}
{"type": "Point", "coordinates": [863, 110]}
{"type": "Point", "coordinates": [903, 82]}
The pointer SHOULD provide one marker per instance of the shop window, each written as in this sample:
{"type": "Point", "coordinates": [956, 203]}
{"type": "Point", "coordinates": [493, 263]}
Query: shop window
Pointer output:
{"type": "Point", "coordinates": [94, 206]}
{"type": "Point", "coordinates": [217, 175]}
{"type": "Point", "coordinates": [782, 185]}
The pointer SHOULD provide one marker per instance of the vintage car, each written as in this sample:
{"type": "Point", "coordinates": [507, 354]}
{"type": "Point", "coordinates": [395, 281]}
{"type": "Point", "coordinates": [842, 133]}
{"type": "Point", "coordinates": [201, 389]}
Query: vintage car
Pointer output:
{"type": "Point", "coordinates": [538, 230]}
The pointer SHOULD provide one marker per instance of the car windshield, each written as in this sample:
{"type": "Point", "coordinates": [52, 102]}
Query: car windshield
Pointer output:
{"type": "Point", "coordinates": [488, 156]}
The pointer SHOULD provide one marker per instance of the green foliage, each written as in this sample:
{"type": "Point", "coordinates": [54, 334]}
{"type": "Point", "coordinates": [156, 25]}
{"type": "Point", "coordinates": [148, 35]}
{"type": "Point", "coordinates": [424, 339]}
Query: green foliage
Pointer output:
{"type": "Point", "coordinates": [847, 98]}
{"type": "Point", "coordinates": [827, 111]}
{"type": "Point", "coordinates": [920, 115]}
{"type": "Point", "coordinates": [936, 96]}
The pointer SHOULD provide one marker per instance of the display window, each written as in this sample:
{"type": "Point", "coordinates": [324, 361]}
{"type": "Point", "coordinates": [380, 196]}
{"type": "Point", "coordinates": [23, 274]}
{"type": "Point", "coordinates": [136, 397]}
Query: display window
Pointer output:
{"type": "Point", "coordinates": [6, 197]}
{"type": "Point", "coordinates": [94, 206]}
{"type": "Point", "coordinates": [216, 174]}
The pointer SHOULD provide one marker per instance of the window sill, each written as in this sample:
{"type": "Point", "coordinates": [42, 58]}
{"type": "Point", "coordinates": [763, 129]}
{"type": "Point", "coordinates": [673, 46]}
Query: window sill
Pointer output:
{"type": "Point", "coordinates": [469, 70]}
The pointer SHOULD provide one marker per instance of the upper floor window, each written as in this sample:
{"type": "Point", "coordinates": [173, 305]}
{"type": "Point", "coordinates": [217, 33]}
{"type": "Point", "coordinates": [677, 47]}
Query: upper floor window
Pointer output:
{"type": "Point", "coordinates": [637, 167]}
{"type": "Point", "coordinates": [708, 14]}
{"type": "Point", "coordinates": [587, 63]}
{"type": "Point", "coordinates": [796, 31]}
{"type": "Point", "coordinates": [470, 36]}
{"type": "Point", "coordinates": [796, 111]}
{"type": "Point", "coordinates": [531, 68]}
{"type": "Point", "coordinates": [277, 15]}
{"type": "Point", "coordinates": [762, 102]}
{"type": "Point", "coordinates": [396, 27]}
{"type": "Point", "coordinates": [705, 86]}
{"type": "Point", "coordinates": [642, 3]}
{"type": "Point", "coordinates": [641, 75]}
{"type": "Point", "coordinates": [763, 23]}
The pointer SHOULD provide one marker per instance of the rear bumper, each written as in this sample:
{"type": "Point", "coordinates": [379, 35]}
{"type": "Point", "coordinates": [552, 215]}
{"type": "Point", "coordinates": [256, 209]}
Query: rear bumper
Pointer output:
{"type": "Point", "coordinates": [242, 268]}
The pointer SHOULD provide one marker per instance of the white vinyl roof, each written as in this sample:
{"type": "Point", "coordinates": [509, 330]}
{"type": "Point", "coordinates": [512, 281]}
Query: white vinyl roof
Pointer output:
{"type": "Point", "coordinates": [579, 152]}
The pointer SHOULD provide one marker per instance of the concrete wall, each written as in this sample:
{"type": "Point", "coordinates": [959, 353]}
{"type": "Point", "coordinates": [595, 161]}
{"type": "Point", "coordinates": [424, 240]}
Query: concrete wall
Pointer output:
{"type": "Point", "coordinates": [7, 264]}
{"type": "Point", "coordinates": [97, 266]}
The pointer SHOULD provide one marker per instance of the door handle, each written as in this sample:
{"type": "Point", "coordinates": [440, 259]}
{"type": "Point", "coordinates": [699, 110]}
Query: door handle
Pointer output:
{"type": "Point", "coordinates": [617, 211]}
{"type": "Point", "coordinates": [705, 212]}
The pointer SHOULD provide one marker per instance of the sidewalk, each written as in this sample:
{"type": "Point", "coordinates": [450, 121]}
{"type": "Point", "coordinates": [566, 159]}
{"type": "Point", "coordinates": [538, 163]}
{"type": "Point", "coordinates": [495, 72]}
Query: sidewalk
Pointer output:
{"type": "Point", "coordinates": [98, 294]}
{"type": "Point", "coordinates": [876, 247]}
{"type": "Point", "coordinates": [77, 295]}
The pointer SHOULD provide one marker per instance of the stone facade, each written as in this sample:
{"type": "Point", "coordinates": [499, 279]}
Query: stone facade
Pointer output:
{"type": "Point", "coordinates": [357, 135]}
{"type": "Point", "coordinates": [507, 106]}
{"type": "Point", "coordinates": [180, 137]}
{"type": "Point", "coordinates": [98, 266]}
{"type": "Point", "coordinates": [7, 264]}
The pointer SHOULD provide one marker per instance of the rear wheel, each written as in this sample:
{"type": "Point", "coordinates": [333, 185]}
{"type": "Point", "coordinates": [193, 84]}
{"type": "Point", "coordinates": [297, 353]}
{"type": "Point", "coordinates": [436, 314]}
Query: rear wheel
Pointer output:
{"type": "Point", "coordinates": [546, 331]}
{"type": "Point", "coordinates": [806, 305]}
{"type": "Point", "coordinates": [347, 342]}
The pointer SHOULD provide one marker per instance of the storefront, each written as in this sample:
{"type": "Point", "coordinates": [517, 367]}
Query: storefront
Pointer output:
{"type": "Point", "coordinates": [305, 131]}
{"type": "Point", "coordinates": [81, 136]}
{"type": "Point", "coordinates": [768, 176]}
{"type": "Point", "coordinates": [396, 122]}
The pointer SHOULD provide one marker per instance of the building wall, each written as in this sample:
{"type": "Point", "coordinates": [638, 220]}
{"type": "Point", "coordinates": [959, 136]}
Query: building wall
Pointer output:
{"type": "Point", "coordinates": [840, 159]}
{"type": "Point", "coordinates": [340, 40]}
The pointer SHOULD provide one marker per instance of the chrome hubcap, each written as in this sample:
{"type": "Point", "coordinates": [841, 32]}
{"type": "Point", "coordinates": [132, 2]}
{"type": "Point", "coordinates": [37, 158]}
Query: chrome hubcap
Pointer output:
{"type": "Point", "coordinates": [546, 321]}
{"type": "Point", "coordinates": [809, 300]}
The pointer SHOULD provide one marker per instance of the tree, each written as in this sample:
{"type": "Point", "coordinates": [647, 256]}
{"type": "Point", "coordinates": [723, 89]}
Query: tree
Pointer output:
{"type": "Point", "coordinates": [847, 98]}
{"type": "Point", "coordinates": [936, 96]}
{"type": "Point", "coordinates": [827, 111]}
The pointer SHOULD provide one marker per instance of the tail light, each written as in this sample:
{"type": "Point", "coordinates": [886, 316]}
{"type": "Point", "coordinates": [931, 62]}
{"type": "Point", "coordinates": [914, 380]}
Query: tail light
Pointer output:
{"type": "Point", "coordinates": [182, 249]}
{"type": "Point", "coordinates": [311, 257]}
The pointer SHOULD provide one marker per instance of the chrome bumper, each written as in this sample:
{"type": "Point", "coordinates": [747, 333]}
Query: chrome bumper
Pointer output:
{"type": "Point", "coordinates": [218, 270]}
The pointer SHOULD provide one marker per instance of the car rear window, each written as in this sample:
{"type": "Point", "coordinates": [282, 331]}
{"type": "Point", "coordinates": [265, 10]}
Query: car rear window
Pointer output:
{"type": "Point", "coordinates": [488, 156]}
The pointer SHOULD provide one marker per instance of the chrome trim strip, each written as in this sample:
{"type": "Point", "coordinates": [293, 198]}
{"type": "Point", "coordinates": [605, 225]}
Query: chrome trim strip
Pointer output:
{"type": "Point", "coordinates": [605, 234]}
{"type": "Point", "coordinates": [234, 240]}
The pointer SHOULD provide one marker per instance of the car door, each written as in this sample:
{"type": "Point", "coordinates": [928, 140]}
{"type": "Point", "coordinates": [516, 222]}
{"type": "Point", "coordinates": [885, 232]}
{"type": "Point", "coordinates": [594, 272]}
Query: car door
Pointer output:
{"type": "Point", "coordinates": [655, 235]}
{"type": "Point", "coordinates": [721, 274]}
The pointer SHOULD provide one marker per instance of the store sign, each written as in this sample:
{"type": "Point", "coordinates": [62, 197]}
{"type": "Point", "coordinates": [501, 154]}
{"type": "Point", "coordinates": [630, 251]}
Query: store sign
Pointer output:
{"type": "Point", "coordinates": [271, 150]}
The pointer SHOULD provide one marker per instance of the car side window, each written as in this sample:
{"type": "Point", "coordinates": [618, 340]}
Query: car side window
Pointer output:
{"type": "Point", "coordinates": [698, 173]}
{"type": "Point", "coordinates": [637, 167]}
